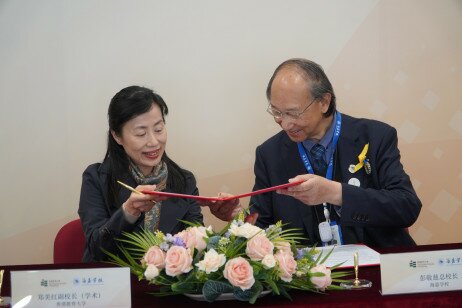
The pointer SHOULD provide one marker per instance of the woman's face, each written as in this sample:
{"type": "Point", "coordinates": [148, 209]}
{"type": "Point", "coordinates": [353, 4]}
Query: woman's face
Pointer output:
{"type": "Point", "coordinates": [143, 139]}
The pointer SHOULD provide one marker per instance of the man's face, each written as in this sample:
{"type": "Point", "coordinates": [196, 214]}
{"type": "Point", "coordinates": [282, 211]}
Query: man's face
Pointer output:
{"type": "Point", "coordinates": [290, 93]}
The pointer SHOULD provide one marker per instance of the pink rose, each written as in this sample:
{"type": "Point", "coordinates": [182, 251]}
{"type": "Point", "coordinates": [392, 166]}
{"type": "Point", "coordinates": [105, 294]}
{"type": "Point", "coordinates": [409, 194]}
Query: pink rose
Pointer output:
{"type": "Point", "coordinates": [258, 247]}
{"type": "Point", "coordinates": [177, 261]}
{"type": "Point", "coordinates": [321, 282]}
{"type": "Point", "coordinates": [154, 256]}
{"type": "Point", "coordinates": [284, 246]}
{"type": "Point", "coordinates": [287, 265]}
{"type": "Point", "coordinates": [239, 273]}
{"type": "Point", "coordinates": [194, 237]}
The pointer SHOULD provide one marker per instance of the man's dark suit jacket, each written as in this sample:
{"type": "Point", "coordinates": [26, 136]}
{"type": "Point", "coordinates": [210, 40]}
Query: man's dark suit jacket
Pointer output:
{"type": "Point", "coordinates": [377, 213]}
{"type": "Point", "coordinates": [102, 223]}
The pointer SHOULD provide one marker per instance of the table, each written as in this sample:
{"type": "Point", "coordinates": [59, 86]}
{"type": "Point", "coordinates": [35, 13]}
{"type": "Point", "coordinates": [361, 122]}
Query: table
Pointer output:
{"type": "Point", "coordinates": [360, 298]}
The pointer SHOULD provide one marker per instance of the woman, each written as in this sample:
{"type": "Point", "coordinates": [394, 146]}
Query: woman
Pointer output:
{"type": "Point", "coordinates": [136, 156]}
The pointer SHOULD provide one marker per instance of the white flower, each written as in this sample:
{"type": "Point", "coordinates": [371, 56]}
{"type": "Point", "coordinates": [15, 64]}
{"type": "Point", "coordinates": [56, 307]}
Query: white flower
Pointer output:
{"type": "Point", "coordinates": [268, 261]}
{"type": "Point", "coordinates": [151, 272]}
{"type": "Point", "coordinates": [246, 230]}
{"type": "Point", "coordinates": [212, 261]}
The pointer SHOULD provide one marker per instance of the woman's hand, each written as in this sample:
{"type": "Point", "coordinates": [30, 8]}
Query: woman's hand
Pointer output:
{"type": "Point", "coordinates": [141, 203]}
{"type": "Point", "coordinates": [225, 210]}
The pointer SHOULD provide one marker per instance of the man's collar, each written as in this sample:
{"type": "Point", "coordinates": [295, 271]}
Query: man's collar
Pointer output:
{"type": "Point", "coordinates": [325, 140]}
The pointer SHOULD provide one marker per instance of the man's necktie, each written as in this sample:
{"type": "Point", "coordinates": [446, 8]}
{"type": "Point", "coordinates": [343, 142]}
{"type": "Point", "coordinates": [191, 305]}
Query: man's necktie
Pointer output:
{"type": "Point", "coordinates": [319, 164]}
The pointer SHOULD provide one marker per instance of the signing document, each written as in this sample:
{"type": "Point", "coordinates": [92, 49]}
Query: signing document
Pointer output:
{"type": "Point", "coordinates": [345, 254]}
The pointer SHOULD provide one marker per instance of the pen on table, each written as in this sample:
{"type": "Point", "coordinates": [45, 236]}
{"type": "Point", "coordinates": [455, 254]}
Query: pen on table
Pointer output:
{"type": "Point", "coordinates": [356, 267]}
{"type": "Point", "coordinates": [1, 282]}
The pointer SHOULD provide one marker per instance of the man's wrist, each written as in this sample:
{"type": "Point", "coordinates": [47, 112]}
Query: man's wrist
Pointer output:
{"type": "Point", "coordinates": [335, 194]}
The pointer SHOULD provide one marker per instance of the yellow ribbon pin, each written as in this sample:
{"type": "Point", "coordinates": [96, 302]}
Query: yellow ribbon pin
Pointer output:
{"type": "Point", "coordinates": [361, 158]}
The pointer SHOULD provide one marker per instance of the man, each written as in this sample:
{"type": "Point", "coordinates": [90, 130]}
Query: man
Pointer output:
{"type": "Point", "coordinates": [370, 198]}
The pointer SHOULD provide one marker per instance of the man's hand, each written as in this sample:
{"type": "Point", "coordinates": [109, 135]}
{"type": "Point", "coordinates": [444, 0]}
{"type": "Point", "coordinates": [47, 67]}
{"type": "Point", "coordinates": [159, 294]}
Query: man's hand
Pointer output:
{"type": "Point", "coordinates": [224, 210]}
{"type": "Point", "coordinates": [314, 190]}
{"type": "Point", "coordinates": [251, 218]}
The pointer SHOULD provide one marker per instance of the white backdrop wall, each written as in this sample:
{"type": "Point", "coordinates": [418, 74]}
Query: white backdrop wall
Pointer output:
{"type": "Point", "coordinates": [62, 61]}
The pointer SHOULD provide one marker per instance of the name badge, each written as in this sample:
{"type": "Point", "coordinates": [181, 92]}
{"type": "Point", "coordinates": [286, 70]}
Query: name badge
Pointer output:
{"type": "Point", "coordinates": [336, 233]}
{"type": "Point", "coordinates": [96, 287]}
{"type": "Point", "coordinates": [418, 272]}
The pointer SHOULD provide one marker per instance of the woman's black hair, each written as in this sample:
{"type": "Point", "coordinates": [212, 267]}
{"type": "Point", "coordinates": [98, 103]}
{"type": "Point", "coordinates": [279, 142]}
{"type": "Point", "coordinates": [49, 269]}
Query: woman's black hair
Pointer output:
{"type": "Point", "coordinates": [127, 104]}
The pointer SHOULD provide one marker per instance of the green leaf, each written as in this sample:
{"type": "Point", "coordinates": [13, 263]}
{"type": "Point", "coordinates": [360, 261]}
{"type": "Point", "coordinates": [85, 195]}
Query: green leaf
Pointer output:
{"type": "Point", "coordinates": [273, 286]}
{"type": "Point", "coordinates": [134, 266]}
{"type": "Point", "coordinates": [212, 289]}
{"type": "Point", "coordinates": [213, 242]}
{"type": "Point", "coordinates": [182, 287]}
{"type": "Point", "coordinates": [236, 248]}
{"type": "Point", "coordinates": [249, 295]}
{"type": "Point", "coordinates": [191, 223]}
{"type": "Point", "coordinates": [337, 274]}
{"type": "Point", "coordinates": [187, 284]}
{"type": "Point", "coordinates": [336, 266]}
{"type": "Point", "coordinates": [326, 256]}
{"type": "Point", "coordinates": [198, 256]}
{"type": "Point", "coordinates": [283, 292]}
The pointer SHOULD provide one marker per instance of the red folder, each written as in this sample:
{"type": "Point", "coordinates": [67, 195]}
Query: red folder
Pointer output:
{"type": "Point", "coordinates": [202, 198]}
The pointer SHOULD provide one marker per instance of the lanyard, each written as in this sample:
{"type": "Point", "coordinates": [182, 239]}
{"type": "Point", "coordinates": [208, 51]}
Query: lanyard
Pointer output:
{"type": "Point", "coordinates": [330, 167]}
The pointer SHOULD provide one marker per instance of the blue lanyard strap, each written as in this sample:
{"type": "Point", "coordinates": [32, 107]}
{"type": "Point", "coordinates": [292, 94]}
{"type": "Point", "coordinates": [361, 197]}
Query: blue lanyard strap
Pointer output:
{"type": "Point", "coordinates": [330, 167]}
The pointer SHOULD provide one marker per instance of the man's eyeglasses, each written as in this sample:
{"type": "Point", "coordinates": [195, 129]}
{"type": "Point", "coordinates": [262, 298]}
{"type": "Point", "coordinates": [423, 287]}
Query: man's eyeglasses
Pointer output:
{"type": "Point", "coordinates": [294, 115]}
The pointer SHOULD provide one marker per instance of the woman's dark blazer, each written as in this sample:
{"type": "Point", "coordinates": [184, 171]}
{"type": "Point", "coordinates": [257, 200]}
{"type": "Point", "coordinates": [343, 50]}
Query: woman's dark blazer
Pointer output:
{"type": "Point", "coordinates": [103, 223]}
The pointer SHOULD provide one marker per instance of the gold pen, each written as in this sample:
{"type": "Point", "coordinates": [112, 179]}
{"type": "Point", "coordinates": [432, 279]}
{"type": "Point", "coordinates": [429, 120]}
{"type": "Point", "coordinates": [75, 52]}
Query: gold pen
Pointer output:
{"type": "Point", "coordinates": [356, 267]}
{"type": "Point", "coordinates": [130, 188]}
{"type": "Point", "coordinates": [1, 281]}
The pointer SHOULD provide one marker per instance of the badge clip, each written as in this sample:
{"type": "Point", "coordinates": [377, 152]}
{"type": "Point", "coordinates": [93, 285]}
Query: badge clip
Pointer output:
{"type": "Point", "coordinates": [367, 166]}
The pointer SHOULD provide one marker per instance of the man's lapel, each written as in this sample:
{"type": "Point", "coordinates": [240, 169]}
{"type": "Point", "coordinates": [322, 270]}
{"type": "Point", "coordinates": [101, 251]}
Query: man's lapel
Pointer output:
{"type": "Point", "coordinates": [294, 166]}
{"type": "Point", "coordinates": [348, 149]}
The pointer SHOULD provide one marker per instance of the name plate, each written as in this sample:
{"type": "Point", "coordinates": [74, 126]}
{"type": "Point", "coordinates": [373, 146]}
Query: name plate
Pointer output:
{"type": "Point", "coordinates": [96, 287]}
{"type": "Point", "coordinates": [418, 272]}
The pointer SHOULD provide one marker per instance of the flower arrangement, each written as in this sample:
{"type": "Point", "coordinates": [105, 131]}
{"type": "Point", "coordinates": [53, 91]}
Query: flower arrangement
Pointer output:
{"type": "Point", "coordinates": [242, 259]}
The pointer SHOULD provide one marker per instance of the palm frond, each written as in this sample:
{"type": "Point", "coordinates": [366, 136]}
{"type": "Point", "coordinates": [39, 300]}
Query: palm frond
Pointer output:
{"type": "Point", "coordinates": [326, 256]}
{"type": "Point", "coordinates": [191, 223]}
